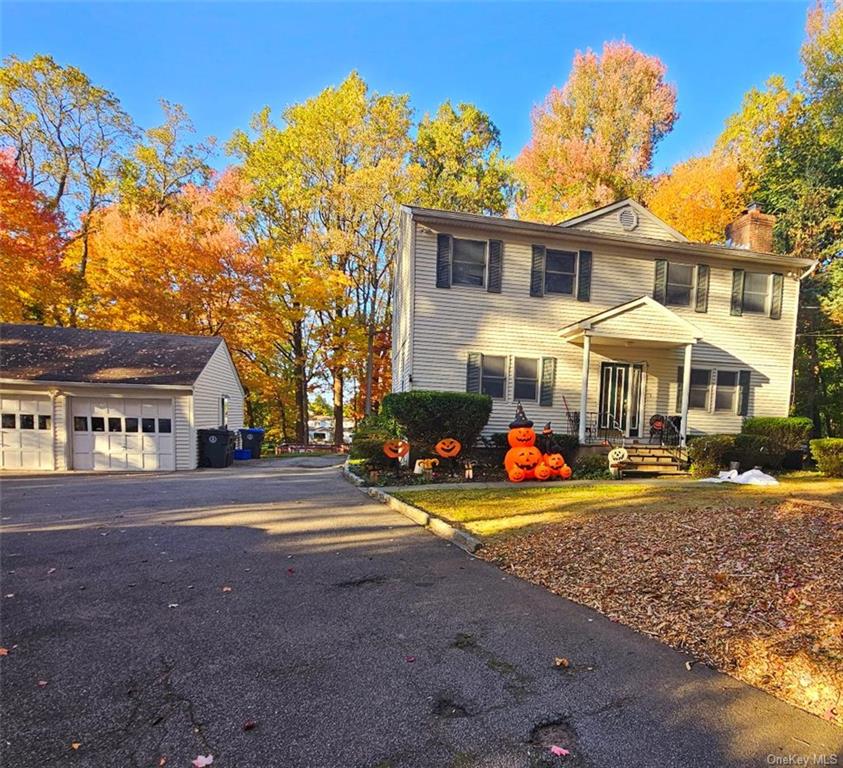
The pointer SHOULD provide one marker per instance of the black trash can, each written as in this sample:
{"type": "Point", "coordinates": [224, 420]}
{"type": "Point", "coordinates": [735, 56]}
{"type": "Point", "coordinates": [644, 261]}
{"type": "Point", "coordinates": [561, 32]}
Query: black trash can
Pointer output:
{"type": "Point", "coordinates": [252, 439]}
{"type": "Point", "coordinates": [216, 447]}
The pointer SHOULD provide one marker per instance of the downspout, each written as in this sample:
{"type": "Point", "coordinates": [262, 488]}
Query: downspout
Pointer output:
{"type": "Point", "coordinates": [53, 393]}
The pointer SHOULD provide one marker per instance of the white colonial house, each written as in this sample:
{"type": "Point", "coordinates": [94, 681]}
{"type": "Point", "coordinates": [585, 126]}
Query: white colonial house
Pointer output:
{"type": "Point", "coordinates": [73, 399]}
{"type": "Point", "coordinates": [608, 323]}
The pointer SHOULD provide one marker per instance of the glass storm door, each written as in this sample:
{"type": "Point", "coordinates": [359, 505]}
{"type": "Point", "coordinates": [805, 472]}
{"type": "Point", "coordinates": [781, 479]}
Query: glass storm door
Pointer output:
{"type": "Point", "coordinates": [620, 397]}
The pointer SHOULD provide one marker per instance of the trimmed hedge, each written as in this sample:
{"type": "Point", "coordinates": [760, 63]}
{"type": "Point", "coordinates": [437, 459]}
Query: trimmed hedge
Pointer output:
{"type": "Point", "coordinates": [828, 453]}
{"type": "Point", "coordinates": [710, 453]}
{"type": "Point", "coordinates": [368, 439]}
{"type": "Point", "coordinates": [788, 433]}
{"type": "Point", "coordinates": [758, 451]}
{"type": "Point", "coordinates": [426, 416]}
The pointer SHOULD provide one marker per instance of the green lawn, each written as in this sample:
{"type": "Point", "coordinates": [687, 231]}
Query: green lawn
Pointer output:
{"type": "Point", "coordinates": [488, 512]}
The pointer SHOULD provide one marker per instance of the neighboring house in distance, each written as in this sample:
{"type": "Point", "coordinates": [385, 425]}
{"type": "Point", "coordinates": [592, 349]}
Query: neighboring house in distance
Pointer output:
{"type": "Point", "coordinates": [612, 314]}
{"type": "Point", "coordinates": [321, 430]}
{"type": "Point", "coordinates": [106, 400]}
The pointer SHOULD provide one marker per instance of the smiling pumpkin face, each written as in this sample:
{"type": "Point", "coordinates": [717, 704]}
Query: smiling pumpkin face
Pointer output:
{"type": "Point", "coordinates": [555, 461]}
{"type": "Point", "coordinates": [543, 472]}
{"type": "Point", "coordinates": [447, 448]}
{"type": "Point", "coordinates": [395, 449]}
{"type": "Point", "coordinates": [521, 437]}
{"type": "Point", "coordinates": [526, 458]}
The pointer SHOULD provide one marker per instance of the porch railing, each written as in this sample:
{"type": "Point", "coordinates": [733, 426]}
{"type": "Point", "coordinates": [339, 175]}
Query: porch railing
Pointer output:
{"type": "Point", "coordinates": [599, 427]}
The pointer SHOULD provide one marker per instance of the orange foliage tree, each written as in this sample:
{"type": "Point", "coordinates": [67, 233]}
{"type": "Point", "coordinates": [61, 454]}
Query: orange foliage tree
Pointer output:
{"type": "Point", "coordinates": [700, 196]}
{"type": "Point", "coordinates": [34, 283]}
{"type": "Point", "coordinates": [593, 140]}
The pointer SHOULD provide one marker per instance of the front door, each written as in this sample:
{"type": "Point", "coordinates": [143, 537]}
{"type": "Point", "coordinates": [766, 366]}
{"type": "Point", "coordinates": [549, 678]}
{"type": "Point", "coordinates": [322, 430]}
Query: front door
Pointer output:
{"type": "Point", "coordinates": [620, 398]}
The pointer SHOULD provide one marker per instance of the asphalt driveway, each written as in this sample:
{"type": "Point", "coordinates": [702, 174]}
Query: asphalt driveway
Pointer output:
{"type": "Point", "coordinates": [272, 615]}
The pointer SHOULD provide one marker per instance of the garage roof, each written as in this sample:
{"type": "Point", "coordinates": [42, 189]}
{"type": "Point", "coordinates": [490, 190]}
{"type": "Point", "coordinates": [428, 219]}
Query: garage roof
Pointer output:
{"type": "Point", "coordinates": [40, 353]}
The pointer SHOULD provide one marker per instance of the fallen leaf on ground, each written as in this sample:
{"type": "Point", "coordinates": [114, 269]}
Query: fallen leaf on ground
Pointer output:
{"type": "Point", "coordinates": [291, 571]}
{"type": "Point", "coordinates": [561, 661]}
{"type": "Point", "coordinates": [4, 651]}
{"type": "Point", "coordinates": [173, 605]}
{"type": "Point", "coordinates": [559, 751]}
{"type": "Point", "coordinates": [249, 725]}
{"type": "Point", "coordinates": [202, 760]}
{"type": "Point", "coordinates": [409, 659]}
{"type": "Point", "coordinates": [52, 570]}
{"type": "Point", "coordinates": [42, 683]}
{"type": "Point", "coordinates": [162, 761]}
{"type": "Point", "coordinates": [11, 594]}
{"type": "Point", "coordinates": [74, 745]}
{"type": "Point", "coordinates": [226, 589]}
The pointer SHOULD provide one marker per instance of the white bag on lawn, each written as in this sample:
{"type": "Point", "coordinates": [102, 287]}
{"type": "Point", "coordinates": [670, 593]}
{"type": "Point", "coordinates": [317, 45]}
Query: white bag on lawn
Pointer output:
{"type": "Point", "coordinates": [750, 477]}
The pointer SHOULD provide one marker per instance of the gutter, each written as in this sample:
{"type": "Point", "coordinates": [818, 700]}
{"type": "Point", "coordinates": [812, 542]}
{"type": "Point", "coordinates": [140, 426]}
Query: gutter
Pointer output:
{"type": "Point", "coordinates": [567, 235]}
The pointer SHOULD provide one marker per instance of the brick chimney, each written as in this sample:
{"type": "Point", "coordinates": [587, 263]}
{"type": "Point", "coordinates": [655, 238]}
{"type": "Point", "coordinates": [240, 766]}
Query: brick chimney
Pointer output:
{"type": "Point", "coordinates": [752, 230]}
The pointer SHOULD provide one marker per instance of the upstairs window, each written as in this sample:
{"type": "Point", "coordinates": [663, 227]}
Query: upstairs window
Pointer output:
{"type": "Point", "coordinates": [526, 379]}
{"type": "Point", "coordinates": [493, 375]}
{"type": "Point", "coordinates": [560, 272]}
{"type": "Point", "coordinates": [756, 291]}
{"type": "Point", "coordinates": [680, 282]}
{"type": "Point", "coordinates": [468, 263]}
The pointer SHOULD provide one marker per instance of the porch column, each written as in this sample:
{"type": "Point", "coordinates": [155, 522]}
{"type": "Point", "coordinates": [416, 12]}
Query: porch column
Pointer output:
{"type": "Point", "coordinates": [586, 354]}
{"type": "Point", "coordinates": [686, 395]}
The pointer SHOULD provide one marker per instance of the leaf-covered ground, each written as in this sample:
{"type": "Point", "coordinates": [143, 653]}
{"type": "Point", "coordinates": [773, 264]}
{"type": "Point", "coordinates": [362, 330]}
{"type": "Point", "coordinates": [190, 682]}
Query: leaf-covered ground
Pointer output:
{"type": "Point", "coordinates": [755, 591]}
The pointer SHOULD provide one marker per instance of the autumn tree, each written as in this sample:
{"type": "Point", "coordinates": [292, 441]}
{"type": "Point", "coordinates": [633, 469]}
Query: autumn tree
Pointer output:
{"type": "Point", "coordinates": [593, 140]}
{"type": "Point", "coordinates": [458, 153]}
{"type": "Point", "coordinates": [162, 162]}
{"type": "Point", "coordinates": [67, 135]}
{"type": "Point", "coordinates": [700, 196]}
{"type": "Point", "coordinates": [31, 245]}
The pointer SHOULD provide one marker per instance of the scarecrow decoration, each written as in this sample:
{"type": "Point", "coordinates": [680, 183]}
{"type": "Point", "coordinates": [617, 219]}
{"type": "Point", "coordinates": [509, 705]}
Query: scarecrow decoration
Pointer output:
{"type": "Point", "coordinates": [525, 460]}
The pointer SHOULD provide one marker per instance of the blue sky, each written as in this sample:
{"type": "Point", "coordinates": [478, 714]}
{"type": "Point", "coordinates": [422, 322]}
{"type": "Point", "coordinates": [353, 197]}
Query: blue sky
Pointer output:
{"type": "Point", "coordinates": [224, 61]}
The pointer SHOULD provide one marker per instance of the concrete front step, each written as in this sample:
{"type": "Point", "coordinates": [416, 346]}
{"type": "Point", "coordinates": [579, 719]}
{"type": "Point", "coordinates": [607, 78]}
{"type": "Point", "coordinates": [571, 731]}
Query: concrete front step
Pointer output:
{"type": "Point", "coordinates": [653, 469]}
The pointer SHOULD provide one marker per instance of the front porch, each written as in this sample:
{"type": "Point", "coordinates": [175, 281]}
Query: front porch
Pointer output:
{"type": "Point", "coordinates": [627, 337]}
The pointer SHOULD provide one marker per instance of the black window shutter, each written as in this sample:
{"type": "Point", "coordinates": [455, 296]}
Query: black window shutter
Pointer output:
{"type": "Point", "coordinates": [472, 372]}
{"type": "Point", "coordinates": [743, 393]}
{"type": "Point", "coordinates": [778, 295]}
{"type": "Point", "coordinates": [495, 266]}
{"type": "Point", "coordinates": [660, 285]}
{"type": "Point", "coordinates": [702, 288]}
{"type": "Point", "coordinates": [737, 292]}
{"type": "Point", "coordinates": [548, 380]}
{"type": "Point", "coordinates": [444, 248]}
{"type": "Point", "coordinates": [584, 277]}
{"type": "Point", "coordinates": [680, 372]}
{"type": "Point", "coordinates": [537, 271]}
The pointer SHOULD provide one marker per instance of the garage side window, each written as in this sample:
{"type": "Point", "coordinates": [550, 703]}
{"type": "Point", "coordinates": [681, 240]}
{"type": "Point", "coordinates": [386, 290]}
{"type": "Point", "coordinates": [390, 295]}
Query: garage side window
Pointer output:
{"type": "Point", "coordinates": [165, 426]}
{"type": "Point", "coordinates": [147, 425]}
{"type": "Point", "coordinates": [9, 421]}
{"type": "Point", "coordinates": [27, 421]}
{"type": "Point", "coordinates": [114, 424]}
{"type": "Point", "coordinates": [97, 424]}
{"type": "Point", "coordinates": [131, 424]}
{"type": "Point", "coordinates": [43, 422]}
{"type": "Point", "coordinates": [80, 423]}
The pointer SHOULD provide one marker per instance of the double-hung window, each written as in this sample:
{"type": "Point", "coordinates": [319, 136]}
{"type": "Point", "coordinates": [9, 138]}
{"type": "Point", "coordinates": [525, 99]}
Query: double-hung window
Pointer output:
{"type": "Point", "coordinates": [493, 376]}
{"type": "Point", "coordinates": [468, 263]}
{"type": "Point", "coordinates": [560, 272]}
{"type": "Point", "coordinates": [680, 282]}
{"type": "Point", "coordinates": [756, 292]}
{"type": "Point", "coordinates": [726, 391]}
{"type": "Point", "coordinates": [526, 384]}
{"type": "Point", "coordinates": [700, 388]}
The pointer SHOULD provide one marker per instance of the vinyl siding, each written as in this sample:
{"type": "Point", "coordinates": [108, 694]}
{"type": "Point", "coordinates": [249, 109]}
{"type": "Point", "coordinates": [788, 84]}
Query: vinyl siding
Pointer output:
{"type": "Point", "coordinates": [608, 224]}
{"type": "Point", "coordinates": [447, 324]}
{"type": "Point", "coordinates": [218, 378]}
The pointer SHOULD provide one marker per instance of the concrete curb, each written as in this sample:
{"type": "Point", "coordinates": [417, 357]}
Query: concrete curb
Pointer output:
{"type": "Point", "coordinates": [433, 524]}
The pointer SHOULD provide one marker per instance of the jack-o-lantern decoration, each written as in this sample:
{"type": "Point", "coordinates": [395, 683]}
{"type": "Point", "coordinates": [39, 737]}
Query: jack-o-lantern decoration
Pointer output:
{"type": "Point", "coordinates": [522, 455]}
{"type": "Point", "coordinates": [555, 461]}
{"type": "Point", "coordinates": [527, 458]}
{"type": "Point", "coordinates": [448, 448]}
{"type": "Point", "coordinates": [543, 472]}
{"type": "Point", "coordinates": [565, 473]}
{"type": "Point", "coordinates": [516, 475]}
{"type": "Point", "coordinates": [396, 449]}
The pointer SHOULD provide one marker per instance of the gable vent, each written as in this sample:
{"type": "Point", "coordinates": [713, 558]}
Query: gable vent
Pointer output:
{"type": "Point", "coordinates": [628, 219]}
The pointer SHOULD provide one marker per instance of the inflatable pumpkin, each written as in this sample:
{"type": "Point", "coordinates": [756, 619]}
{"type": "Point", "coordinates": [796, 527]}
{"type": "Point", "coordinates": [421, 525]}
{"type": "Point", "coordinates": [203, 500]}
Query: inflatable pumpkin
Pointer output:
{"type": "Point", "coordinates": [516, 475]}
{"type": "Point", "coordinates": [543, 472]}
{"type": "Point", "coordinates": [395, 449]}
{"type": "Point", "coordinates": [565, 473]}
{"type": "Point", "coordinates": [448, 448]}
{"type": "Point", "coordinates": [526, 459]}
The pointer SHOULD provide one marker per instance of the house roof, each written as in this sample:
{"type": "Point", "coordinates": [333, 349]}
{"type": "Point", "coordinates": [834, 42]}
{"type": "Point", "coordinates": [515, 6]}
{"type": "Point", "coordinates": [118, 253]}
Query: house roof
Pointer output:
{"type": "Point", "coordinates": [578, 237]}
{"type": "Point", "coordinates": [642, 319]}
{"type": "Point", "coordinates": [41, 353]}
{"type": "Point", "coordinates": [584, 219]}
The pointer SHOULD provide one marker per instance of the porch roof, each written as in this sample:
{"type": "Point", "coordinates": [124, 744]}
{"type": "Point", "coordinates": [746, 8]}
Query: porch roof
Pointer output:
{"type": "Point", "coordinates": [642, 321]}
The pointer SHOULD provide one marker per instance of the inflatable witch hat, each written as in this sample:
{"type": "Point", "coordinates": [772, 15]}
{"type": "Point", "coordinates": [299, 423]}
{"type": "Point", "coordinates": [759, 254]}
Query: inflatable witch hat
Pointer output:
{"type": "Point", "coordinates": [521, 419]}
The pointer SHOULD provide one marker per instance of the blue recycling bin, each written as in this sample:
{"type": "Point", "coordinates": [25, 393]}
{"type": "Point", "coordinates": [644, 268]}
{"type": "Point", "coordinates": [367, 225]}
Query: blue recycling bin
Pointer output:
{"type": "Point", "coordinates": [252, 439]}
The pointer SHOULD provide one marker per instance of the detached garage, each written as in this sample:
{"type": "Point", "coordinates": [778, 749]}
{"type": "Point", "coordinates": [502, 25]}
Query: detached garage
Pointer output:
{"type": "Point", "coordinates": [109, 400]}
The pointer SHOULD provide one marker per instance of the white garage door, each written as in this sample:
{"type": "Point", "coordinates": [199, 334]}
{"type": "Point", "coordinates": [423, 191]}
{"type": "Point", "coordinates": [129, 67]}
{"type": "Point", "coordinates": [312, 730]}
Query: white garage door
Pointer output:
{"type": "Point", "coordinates": [27, 432]}
{"type": "Point", "coordinates": [122, 433]}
